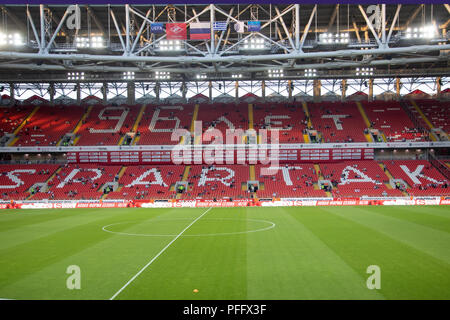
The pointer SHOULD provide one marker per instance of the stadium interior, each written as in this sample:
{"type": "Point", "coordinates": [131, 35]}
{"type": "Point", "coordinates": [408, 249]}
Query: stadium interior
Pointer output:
{"type": "Point", "coordinates": [355, 98]}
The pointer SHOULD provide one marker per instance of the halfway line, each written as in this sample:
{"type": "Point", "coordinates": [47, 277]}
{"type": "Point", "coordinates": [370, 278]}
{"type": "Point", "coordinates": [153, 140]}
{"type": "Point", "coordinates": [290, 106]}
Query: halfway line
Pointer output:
{"type": "Point", "coordinates": [151, 261]}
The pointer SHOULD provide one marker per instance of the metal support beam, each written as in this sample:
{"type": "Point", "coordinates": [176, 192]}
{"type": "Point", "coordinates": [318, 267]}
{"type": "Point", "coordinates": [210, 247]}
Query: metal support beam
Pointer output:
{"type": "Point", "coordinates": [413, 16]}
{"type": "Point", "coordinates": [131, 93]}
{"type": "Point", "coordinates": [343, 89]}
{"type": "Point", "coordinates": [42, 21]}
{"type": "Point", "coordinates": [397, 12]}
{"type": "Point", "coordinates": [369, 24]}
{"type": "Point", "coordinates": [212, 19]}
{"type": "Point", "coordinates": [286, 31]}
{"type": "Point", "coordinates": [383, 25]}
{"type": "Point", "coordinates": [18, 22]}
{"type": "Point", "coordinates": [33, 27]}
{"type": "Point", "coordinates": [12, 94]}
{"type": "Point", "coordinates": [305, 32]}
{"type": "Point", "coordinates": [333, 17]}
{"type": "Point", "coordinates": [297, 27]}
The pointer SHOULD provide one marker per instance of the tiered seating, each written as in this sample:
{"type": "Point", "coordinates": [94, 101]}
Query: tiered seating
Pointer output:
{"type": "Point", "coordinates": [15, 180]}
{"type": "Point", "coordinates": [349, 128]}
{"type": "Point", "coordinates": [357, 179]}
{"type": "Point", "coordinates": [392, 120]}
{"type": "Point", "coordinates": [223, 117]}
{"type": "Point", "coordinates": [158, 122]}
{"type": "Point", "coordinates": [80, 182]}
{"type": "Point", "coordinates": [219, 181]}
{"type": "Point", "coordinates": [106, 124]}
{"type": "Point", "coordinates": [295, 181]}
{"type": "Point", "coordinates": [48, 125]}
{"type": "Point", "coordinates": [437, 112]}
{"type": "Point", "coordinates": [148, 182]}
{"type": "Point", "coordinates": [422, 178]}
{"type": "Point", "coordinates": [12, 117]}
{"type": "Point", "coordinates": [289, 117]}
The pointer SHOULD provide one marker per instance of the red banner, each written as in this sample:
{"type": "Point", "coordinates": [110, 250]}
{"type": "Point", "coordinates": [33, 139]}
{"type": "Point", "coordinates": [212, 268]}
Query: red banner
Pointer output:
{"type": "Point", "coordinates": [176, 31]}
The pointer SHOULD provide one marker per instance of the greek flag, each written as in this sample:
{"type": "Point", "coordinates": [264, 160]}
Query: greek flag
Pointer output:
{"type": "Point", "coordinates": [220, 26]}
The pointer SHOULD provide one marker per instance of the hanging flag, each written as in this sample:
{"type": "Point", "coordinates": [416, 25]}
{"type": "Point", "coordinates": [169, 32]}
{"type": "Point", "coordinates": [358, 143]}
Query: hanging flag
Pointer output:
{"type": "Point", "coordinates": [239, 26]}
{"type": "Point", "coordinates": [220, 26]}
{"type": "Point", "coordinates": [200, 31]}
{"type": "Point", "coordinates": [176, 31]}
{"type": "Point", "coordinates": [254, 26]}
{"type": "Point", "coordinates": [157, 27]}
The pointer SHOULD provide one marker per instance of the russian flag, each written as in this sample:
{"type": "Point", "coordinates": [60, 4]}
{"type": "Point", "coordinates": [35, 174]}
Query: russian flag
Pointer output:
{"type": "Point", "coordinates": [200, 31]}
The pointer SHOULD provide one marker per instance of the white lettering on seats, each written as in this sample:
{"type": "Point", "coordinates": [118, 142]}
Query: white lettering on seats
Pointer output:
{"type": "Point", "coordinates": [11, 175]}
{"type": "Point", "coordinates": [158, 179]}
{"type": "Point", "coordinates": [119, 124]}
{"type": "Point", "coordinates": [225, 180]}
{"type": "Point", "coordinates": [74, 172]}
{"type": "Point", "coordinates": [417, 173]}
{"type": "Point", "coordinates": [363, 176]}
{"type": "Point", "coordinates": [335, 118]}
{"type": "Point", "coordinates": [285, 171]}
{"type": "Point", "coordinates": [268, 121]}
{"type": "Point", "coordinates": [226, 121]}
{"type": "Point", "coordinates": [156, 117]}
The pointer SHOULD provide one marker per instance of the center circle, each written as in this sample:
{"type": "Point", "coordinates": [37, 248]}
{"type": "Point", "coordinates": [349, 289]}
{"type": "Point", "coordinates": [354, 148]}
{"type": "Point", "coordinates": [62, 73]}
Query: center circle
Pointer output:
{"type": "Point", "coordinates": [168, 223]}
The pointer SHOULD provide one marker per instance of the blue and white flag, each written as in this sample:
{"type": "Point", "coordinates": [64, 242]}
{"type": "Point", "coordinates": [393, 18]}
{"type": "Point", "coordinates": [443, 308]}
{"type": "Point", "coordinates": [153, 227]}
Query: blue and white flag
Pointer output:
{"type": "Point", "coordinates": [254, 26]}
{"type": "Point", "coordinates": [157, 27]}
{"type": "Point", "coordinates": [220, 26]}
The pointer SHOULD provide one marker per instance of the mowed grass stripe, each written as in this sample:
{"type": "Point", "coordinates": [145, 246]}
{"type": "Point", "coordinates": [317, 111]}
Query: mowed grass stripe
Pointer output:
{"type": "Point", "coordinates": [427, 240]}
{"type": "Point", "coordinates": [215, 265]}
{"type": "Point", "coordinates": [43, 225]}
{"type": "Point", "coordinates": [106, 262]}
{"type": "Point", "coordinates": [291, 262]}
{"type": "Point", "coordinates": [406, 273]}
{"type": "Point", "coordinates": [421, 215]}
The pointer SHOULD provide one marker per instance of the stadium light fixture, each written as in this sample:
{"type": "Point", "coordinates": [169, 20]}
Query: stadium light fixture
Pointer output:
{"type": "Point", "coordinates": [275, 73]}
{"type": "Point", "coordinates": [255, 43]}
{"type": "Point", "coordinates": [236, 76]}
{"type": "Point", "coordinates": [334, 38]}
{"type": "Point", "coordinates": [310, 73]}
{"type": "Point", "coordinates": [129, 75]}
{"type": "Point", "coordinates": [75, 76]}
{"type": "Point", "coordinates": [170, 45]}
{"type": "Point", "coordinates": [12, 39]}
{"type": "Point", "coordinates": [201, 76]}
{"type": "Point", "coordinates": [162, 75]}
{"type": "Point", "coordinates": [426, 32]}
{"type": "Point", "coordinates": [364, 71]}
{"type": "Point", "coordinates": [93, 42]}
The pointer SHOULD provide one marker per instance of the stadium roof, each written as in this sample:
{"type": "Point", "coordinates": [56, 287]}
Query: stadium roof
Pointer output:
{"type": "Point", "coordinates": [117, 43]}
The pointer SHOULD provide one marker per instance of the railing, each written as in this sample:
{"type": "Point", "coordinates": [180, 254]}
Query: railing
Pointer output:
{"type": "Point", "coordinates": [443, 169]}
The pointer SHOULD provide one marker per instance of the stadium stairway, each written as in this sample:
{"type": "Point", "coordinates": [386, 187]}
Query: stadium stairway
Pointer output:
{"type": "Point", "coordinates": [192, 129]}
{"type": "Point", "coordinates": [183, 179]}
{"type": "Point", "coordinates": [424, 118]}
{"type": "Point", "coordinates": [306, 111]}
{"type": "Point", "coordinates": [387, 173]}
{"type": "Point", "coordinates": [120, 174]}
{"type": "Point", "coordinates": [136, 124]}
{"type": "Point", "coordinates": [47, 181]}
{"type": "Point", "coordinates": [80, 123]}
{"type": "Point", "coordinates": [134, 127]}
{"type": "Point", "coordinates": [319, 177]}
{"type": "Point", "coordinates": [250, 122]}
{"type": "Point", "coordinates": [24, 122]}
{"type": "Point", "coordinates": [366, 121]}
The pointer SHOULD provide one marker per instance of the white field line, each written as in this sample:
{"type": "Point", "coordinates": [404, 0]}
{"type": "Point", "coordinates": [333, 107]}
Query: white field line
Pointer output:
{"type": "Point", "coordinates": [156, 257]}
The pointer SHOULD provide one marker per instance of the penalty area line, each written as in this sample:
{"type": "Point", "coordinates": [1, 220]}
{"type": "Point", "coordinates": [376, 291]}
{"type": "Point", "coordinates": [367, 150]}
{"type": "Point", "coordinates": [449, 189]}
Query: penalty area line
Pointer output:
{"type": "Point", "coordinates": [156, 257]}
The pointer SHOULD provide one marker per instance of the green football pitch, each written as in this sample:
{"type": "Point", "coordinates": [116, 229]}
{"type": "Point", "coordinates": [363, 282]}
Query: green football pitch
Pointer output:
{"type": "Point", "coordinates": [238, 253]}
